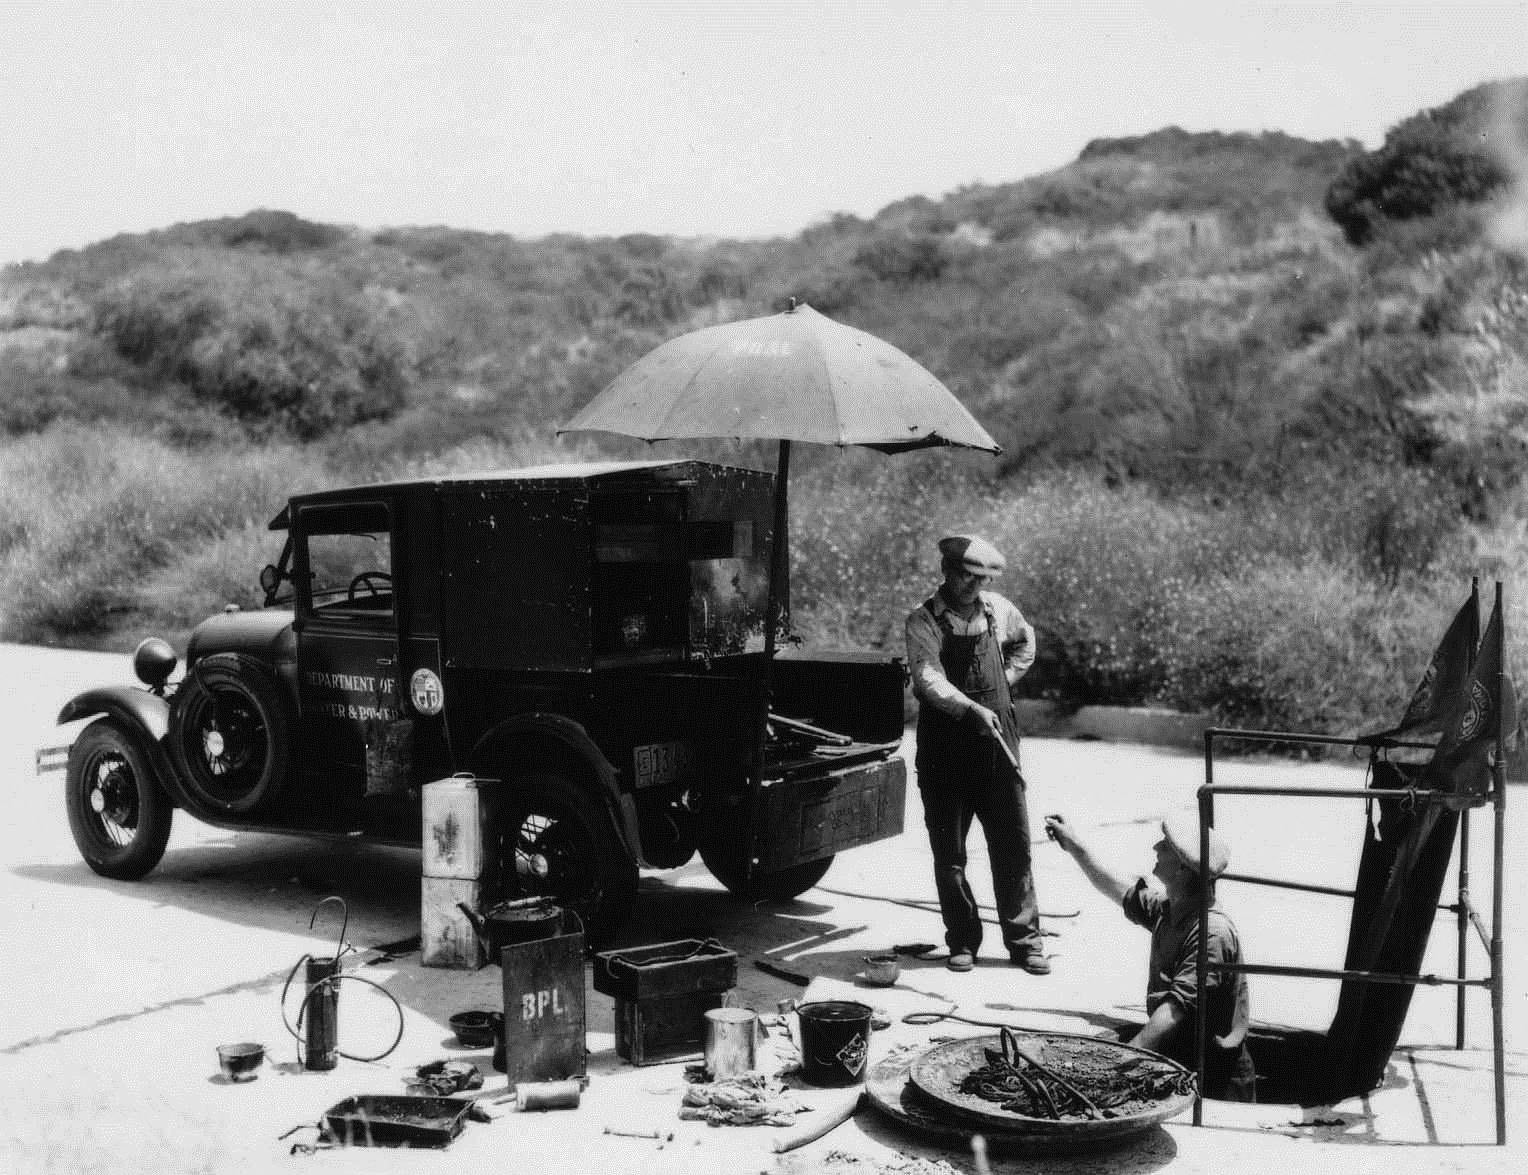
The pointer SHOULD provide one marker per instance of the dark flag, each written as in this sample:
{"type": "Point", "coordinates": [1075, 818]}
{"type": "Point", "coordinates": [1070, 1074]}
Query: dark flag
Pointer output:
{"type": "Point", "coordinates": [1443, 684]}
{"type": "Point", "coordinates": [1486, 710]}
{"type": "Point", "coordinates": [1405, 859]}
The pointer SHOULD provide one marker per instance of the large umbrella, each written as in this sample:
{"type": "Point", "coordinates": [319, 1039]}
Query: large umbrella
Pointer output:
{"type": "Point", "coordinates": [793, 376]}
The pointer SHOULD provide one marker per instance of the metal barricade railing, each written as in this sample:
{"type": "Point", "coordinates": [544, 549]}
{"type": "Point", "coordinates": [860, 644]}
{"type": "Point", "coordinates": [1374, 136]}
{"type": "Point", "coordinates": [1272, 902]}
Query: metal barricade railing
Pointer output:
{"type": "Point", "coordinates": [1467, 916]}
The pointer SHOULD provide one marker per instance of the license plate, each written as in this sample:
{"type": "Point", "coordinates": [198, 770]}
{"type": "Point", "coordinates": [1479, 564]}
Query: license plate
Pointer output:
{"type": "Point", "coordinates": [661, 762]}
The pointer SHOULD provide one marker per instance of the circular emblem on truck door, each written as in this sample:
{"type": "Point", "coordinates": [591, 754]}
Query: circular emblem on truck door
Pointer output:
{"type": "Point", "coordinates": [426, 693]}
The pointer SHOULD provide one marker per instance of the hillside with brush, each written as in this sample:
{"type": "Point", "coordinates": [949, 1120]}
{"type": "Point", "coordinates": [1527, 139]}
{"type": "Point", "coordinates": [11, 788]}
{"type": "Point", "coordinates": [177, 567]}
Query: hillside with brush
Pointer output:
{"type": "Point", "coordinates": [1245, 384]}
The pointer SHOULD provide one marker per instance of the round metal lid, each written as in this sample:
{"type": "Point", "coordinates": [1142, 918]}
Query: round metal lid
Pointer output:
{"type": "Point", "coordinates": [1094, 1067]}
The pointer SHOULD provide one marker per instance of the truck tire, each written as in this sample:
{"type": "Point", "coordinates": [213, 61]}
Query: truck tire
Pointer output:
{"type": "Point", "coordinates": [725, 861]}
{"type": "Point", "coordinates": [230, 737]}
{"type": "Point", "coordinates": [118, 813]}
{"type": "Point", "coordinates": [559, 842]}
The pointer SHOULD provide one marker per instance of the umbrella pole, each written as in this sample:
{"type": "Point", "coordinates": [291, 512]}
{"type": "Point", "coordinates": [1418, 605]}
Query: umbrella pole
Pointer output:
{"type": "Point", "coordinates": [779, 553]}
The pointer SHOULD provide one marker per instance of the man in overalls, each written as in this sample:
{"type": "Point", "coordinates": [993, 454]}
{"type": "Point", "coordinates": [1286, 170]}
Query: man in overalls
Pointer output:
{"type": "Point", "coordinates": [965, 648]}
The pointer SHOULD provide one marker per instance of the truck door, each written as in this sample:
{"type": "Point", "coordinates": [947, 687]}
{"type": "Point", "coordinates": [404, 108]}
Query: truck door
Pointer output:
{"type": "Point", "coordinates": [347, 646]}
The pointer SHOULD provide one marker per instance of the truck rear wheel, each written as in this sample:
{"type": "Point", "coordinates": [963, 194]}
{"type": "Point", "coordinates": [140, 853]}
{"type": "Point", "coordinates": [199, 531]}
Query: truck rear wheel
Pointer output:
{"type": "Point", "coordinates": [118, 813]}
{"type": "Point", "coordinates": [559, 842]}
{"type": "Point", "coordinates": [229, 736]}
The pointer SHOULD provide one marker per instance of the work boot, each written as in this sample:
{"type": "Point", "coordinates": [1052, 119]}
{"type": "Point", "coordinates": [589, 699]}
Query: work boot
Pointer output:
{"type": "Point", "coordinates": [960, 961]}
{"type": "Point", "coordinates": [1032, 961]}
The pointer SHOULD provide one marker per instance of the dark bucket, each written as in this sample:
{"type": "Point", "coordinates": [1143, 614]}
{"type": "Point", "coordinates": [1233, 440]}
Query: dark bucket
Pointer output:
{"type": "Point", "coordinates": [835, 1040]}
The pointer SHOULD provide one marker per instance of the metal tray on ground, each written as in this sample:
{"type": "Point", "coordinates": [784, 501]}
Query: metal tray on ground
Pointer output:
{"type": "Point", "coordinates": [936, 1074]}
{"type": "Point", "coordinates": [395, 1120]}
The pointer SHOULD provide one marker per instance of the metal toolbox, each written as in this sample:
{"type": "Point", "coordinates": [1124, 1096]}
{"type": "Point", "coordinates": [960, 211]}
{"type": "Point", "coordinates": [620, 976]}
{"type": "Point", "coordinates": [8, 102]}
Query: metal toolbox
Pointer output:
{"type": "Point", "coordinates": [688, 966]}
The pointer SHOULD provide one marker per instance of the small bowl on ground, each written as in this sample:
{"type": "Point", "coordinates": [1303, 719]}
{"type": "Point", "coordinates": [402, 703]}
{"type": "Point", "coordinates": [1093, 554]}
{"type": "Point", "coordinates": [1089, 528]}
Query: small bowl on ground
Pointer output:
{"type": "Point", "coordinates": [475, 1030]}
{"type": "Point", "coordinates": [239, 1061]}
{"type": "Point", "coordinates": [882, 970]}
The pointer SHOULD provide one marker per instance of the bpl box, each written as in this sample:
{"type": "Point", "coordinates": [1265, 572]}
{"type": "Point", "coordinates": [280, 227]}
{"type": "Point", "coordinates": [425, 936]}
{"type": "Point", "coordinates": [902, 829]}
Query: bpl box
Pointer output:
{"type": "Point", "coordinates": [545, 1030]}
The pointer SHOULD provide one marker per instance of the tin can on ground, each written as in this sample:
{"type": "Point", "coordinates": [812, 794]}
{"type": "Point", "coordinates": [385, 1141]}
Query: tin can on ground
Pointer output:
{"type": "Point", "coordinates": [731, 1037]}
{"type": "Point", "coordinates": [548, 1095]}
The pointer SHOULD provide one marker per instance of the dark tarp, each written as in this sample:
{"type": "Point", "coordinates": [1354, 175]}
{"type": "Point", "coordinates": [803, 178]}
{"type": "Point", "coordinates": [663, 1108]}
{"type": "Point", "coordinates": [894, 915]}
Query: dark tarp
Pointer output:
{"type": "Point", "coordinates": [1401, 869]}
{"type": "Point", "coordinates": [1406, 855]}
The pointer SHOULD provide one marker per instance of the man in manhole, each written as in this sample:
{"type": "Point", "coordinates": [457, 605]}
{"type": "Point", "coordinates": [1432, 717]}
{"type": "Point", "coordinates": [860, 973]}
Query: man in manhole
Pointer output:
{"type": "Point", "coordinates": [1172, 917]}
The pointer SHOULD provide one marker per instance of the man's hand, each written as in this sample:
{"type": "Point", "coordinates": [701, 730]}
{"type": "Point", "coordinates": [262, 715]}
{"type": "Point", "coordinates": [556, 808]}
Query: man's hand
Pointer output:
{"type": "Point", "coordinates": [1061, 832]}
{"type": "Point", "coordinates": [985, 720]}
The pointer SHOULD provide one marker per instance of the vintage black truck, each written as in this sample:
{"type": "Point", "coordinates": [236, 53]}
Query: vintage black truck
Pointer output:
{"type": "Point", "coordinates": [587, 637]}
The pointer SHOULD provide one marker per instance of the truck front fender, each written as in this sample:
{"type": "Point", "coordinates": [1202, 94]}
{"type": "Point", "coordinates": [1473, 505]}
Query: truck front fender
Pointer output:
{"type": "Point", "coordinates": [147, 713]}
{"type": "Point", "coordinates": [144, 715]}
{"type": "Point", "coordinates": [558, 730]}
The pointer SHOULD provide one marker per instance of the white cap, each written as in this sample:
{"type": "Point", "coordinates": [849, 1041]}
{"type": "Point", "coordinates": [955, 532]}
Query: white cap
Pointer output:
{"type": "Point", "coordinates": [975, 554]}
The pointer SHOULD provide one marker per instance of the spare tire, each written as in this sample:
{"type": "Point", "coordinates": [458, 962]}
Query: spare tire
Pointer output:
{"type": "Point", "coordinates": [230, 734]}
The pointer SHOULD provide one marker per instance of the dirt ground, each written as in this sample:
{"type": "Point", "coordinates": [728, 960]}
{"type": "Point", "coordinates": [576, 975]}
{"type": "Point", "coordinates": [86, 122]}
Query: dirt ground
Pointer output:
{"type": "Point", "coordinates": [118, 994]}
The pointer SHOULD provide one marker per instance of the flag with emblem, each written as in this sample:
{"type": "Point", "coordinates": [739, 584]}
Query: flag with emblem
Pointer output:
{"type": "Point", "coordinates": [1444, 682]}
{"type": "Point", "coordinates": [1485, 711]}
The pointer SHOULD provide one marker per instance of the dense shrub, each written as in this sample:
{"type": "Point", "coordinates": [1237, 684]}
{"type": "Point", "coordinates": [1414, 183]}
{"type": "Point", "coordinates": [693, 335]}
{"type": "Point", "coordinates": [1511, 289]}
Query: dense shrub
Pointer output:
{"type": "Point", "coordinates": [92, 516]}
{"type": "Point", "coordinates": [1226, 608]}
{"type": "Point", "coordinates": [307, 358]}
{"type": "Point", "coordinates": [271, 230]}
{"type": "Point", "coordinates": [1431, 162]}
{"type": "Point", "coordinates": [898, 258]}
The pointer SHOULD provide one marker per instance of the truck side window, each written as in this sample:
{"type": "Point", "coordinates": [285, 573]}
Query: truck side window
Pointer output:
{"type": "Point", "coordinates": [349, 561]}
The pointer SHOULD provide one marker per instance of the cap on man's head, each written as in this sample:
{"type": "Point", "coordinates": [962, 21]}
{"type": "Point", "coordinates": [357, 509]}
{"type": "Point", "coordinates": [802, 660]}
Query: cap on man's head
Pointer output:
{"type": "Point", "coordinates": [975, 554]}
{"type": "Point", "coordinates": [1181, 832]}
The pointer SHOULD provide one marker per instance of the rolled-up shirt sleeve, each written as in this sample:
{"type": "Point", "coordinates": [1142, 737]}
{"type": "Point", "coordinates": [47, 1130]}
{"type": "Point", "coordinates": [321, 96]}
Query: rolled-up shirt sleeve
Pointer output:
{"type": "Point", "coordinates": [930, 685]}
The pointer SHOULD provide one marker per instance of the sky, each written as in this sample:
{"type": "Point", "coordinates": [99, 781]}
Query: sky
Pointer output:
{"type": "Point", "coordinates": [706, 118]}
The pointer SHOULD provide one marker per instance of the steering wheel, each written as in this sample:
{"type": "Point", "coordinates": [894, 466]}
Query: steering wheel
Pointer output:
{"type": "Point", "coordinates": [370, 580]}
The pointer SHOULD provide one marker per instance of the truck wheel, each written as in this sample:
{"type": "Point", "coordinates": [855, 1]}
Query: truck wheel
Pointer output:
{"type": "Point", "coordinates": [118, 813]}
{"type": "Point", "coordinates": [229, 734]}
{"type": "Point", "coordinates": [558, 842]}
{"type": "Point", "coordinates": [726, 865]}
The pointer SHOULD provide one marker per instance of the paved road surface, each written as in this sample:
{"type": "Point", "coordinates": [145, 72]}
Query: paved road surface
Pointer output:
{"type": "Point", "coordinates": [117, 994]}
